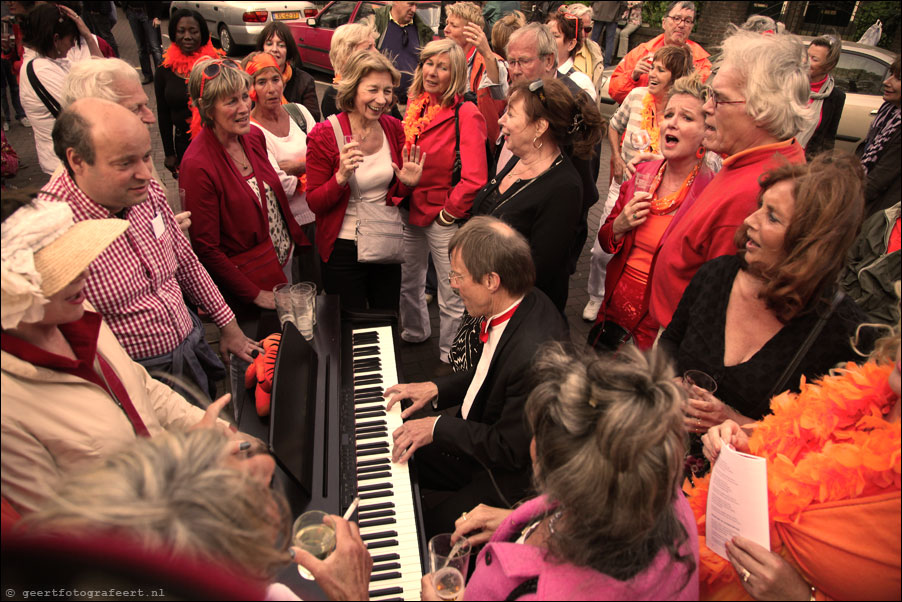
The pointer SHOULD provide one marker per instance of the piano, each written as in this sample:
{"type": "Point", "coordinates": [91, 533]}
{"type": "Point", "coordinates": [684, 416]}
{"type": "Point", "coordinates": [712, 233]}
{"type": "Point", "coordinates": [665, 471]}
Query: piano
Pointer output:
{"type": "Point", "coordinates": [331, 438]}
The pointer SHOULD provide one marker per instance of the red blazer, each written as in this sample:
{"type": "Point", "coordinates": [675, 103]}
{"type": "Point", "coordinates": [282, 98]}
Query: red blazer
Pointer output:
{"type": "Point", "coordinates": [226, 218]}
{"type": "Point", "coordinates": [621, 249]}
{"type": "Point", "coordinates": [325, 197]}
{"type": "Point", "coordinates": [435, 192]}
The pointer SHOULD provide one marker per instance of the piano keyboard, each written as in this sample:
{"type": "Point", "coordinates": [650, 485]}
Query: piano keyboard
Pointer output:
{"type": "Point", "coordinates": [386, 516]}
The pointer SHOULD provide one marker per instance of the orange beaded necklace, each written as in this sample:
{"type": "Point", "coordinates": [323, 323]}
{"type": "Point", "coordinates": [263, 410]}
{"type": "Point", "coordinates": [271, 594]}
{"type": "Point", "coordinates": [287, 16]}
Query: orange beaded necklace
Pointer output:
{"type": "Point", "coordinates": [671, 202]}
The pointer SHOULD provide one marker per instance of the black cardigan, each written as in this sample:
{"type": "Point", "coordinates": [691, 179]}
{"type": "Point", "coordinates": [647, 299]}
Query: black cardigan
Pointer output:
{"type": "Point", "coordinates": [695, 340]}
{"type": "Point", "coordinates": [824, 137]}
{"type": "Point", "coordinates": [547, 213]}
{"type": "Point", "coordinates": [172, 111]}
{"type": "Point", "coordinates": [301, 88]}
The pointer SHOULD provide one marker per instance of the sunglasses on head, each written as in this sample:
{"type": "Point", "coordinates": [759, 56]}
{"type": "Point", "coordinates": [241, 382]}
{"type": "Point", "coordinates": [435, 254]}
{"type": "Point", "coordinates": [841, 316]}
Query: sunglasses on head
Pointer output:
{"type": "Point", "coordinates": [213, 69]}
{"type": "Point", "coordinates": [538, 88]}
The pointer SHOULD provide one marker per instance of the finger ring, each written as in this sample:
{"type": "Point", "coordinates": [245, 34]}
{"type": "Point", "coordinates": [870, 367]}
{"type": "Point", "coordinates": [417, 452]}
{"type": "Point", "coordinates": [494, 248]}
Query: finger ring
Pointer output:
{"type": "Point", "coordinates": [745, 575]}
{"type": "Point", "coordinates": [699, 420]}
{"type": "Point", "coordinates": [635, 216]}
{"type": "Point", "coordinates": [464, 516]}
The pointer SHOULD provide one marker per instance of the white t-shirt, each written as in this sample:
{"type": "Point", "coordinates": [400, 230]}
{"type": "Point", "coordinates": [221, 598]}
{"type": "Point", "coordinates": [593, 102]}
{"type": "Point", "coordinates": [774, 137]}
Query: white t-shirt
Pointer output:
{"type": "Point", "coordinates": [289, 147]}
{"type": "Point", "coordinates": [52, 74]}
{"type": "Point", "coordinates": [372, 177]}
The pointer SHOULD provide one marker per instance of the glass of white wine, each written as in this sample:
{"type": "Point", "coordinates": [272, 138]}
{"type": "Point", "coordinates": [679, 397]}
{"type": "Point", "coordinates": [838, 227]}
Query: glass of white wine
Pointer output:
{"type": "Point", "coordinates": [448, 564]}
{"type": "Point", "coordinates": [314, 532]}
{"type": "Point", "coordinates": [640, 140]}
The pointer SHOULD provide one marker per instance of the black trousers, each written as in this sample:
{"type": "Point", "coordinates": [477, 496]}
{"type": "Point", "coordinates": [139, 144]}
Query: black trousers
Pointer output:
{"type": "Point", "coordinates": [361, 285]}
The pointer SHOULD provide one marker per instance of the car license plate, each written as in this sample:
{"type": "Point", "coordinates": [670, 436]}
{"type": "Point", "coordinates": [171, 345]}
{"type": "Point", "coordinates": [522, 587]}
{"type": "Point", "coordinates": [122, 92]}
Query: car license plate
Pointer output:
{"type": "Point", "coordinates": [285, 16]}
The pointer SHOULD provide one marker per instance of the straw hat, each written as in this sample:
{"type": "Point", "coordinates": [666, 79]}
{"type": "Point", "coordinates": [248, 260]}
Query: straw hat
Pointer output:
{"type": "Point", "coordinates": [43, 251]}
{"type": "Point", "coordinates": [60, 262]}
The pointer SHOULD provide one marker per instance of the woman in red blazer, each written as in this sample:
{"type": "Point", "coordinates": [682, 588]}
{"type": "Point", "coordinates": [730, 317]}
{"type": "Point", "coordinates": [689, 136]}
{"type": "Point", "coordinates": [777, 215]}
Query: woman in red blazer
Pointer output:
{"type": "Point", "coordinates": [443, 197]}
{"type": "Point", "coordinates": [372, 150]}
{"type": "Point", "coordinates": [242, 227]}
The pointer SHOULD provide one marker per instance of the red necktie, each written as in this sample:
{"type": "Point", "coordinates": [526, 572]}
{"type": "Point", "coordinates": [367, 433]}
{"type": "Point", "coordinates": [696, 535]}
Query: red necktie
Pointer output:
{"type": "Point", "coordinates": [485, 326]}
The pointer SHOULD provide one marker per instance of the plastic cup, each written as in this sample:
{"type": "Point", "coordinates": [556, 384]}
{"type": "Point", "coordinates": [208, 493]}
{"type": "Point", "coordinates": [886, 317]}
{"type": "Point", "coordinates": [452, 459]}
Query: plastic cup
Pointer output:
{"type": "Point", "coordinates": [284, 309]}
{"type": "Point", "coordinates": [303, 297]}
{"type": "Point", "coordinates": [315, 534]}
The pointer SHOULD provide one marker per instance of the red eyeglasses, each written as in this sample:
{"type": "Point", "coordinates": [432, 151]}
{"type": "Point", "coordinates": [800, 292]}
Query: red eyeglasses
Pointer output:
{"type": "Point", "coordinates": [213, 69]}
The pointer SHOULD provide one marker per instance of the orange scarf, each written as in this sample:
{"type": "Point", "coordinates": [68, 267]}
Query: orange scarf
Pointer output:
{"type": "Point", "coordinates": [181, 64]}
{"type": "Point", "coordinates": [833, 474]}
{"type": "Point", "coordinates": [650, 123]}
{"type": "Point", "coordinates": [419, 115]}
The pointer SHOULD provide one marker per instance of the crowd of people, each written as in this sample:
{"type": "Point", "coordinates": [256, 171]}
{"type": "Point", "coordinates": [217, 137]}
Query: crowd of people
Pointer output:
{"type": "Point", "coordinates": [734, 240]}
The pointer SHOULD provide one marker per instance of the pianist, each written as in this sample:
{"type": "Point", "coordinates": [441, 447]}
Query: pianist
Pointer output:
{"type": "Point", "coordinates": [480, 454]}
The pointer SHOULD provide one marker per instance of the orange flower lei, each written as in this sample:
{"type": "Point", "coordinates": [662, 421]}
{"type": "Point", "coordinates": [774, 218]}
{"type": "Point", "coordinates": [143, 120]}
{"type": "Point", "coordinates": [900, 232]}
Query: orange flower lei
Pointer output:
{"type": "Point", "coordinates": [416, 120]}
{"type": "Point", "coordinates": [828, 442]}
{"type": "Point", "coordinates": [650, 123]}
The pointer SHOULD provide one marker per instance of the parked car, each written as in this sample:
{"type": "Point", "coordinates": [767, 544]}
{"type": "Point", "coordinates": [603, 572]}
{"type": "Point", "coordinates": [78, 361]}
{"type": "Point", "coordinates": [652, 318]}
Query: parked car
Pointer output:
{"type": "Point", "coordinates": [237, 24]}
{"type": "Point", "coordinates": [860, 74]}
{"type": "Point", "coordinates": [314, 36]}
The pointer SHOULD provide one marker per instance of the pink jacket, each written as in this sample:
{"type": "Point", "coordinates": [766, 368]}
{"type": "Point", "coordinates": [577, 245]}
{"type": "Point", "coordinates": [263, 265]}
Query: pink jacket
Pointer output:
{"type": "Point", "coordinates": [502, 566]}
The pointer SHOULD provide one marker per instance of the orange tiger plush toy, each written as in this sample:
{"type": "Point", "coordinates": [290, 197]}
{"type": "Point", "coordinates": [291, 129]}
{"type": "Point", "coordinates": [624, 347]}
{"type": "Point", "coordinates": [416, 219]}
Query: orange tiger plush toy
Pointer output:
{"type": "Point", "coordinates": [260, 373]}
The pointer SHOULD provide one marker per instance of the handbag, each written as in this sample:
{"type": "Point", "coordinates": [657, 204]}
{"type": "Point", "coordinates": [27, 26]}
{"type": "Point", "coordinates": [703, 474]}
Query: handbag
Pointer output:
{"type": "Point", "coordinates": [607, 336]}
{"type": "Point", "coordinates": [380, 229]}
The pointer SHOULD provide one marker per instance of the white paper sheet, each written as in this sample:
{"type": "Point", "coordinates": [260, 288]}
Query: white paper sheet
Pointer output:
{"type": "Point", "coordinates": [737, 501]}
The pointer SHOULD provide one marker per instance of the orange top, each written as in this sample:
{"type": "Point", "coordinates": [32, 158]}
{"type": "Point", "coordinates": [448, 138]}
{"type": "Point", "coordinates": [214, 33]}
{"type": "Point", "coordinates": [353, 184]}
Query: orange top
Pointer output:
{"type": "Point", "coordinates": [648, 235]}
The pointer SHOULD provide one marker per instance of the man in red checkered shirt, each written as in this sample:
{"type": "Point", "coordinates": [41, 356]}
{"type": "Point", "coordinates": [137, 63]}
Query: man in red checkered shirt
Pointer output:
{"type": "Point", "coordinates": [138, 282]}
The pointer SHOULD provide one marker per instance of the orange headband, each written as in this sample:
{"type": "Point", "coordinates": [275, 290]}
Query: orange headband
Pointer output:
{"type": "Point", "coordinates": [259, 63]}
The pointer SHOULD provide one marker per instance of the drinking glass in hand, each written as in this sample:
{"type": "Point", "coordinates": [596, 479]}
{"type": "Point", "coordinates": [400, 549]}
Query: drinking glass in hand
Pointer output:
{"type": "Point", "coordinates": [700, 380]}
{"type": "Point", "coordinates": [640, 140]}
{"type": "Point", "coordinates": [314, 532]}
{"type": "Point", "coordinates": [448, 564]}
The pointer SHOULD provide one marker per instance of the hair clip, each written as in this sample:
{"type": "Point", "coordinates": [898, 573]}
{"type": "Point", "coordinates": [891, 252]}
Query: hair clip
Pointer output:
{"type": "Point", "coordinates": [577, 123]}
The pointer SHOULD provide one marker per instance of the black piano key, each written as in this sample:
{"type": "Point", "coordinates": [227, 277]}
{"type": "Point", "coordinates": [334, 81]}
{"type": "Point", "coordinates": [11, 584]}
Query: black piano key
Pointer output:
{"type": "Point", "coordinates": [368, 350]}
{"type": "Point", "coordinates": [388, 566]}
{"type": "Point", "coordinates": [377, 522]}
{"type": "Point", "coordinates": [385, 543]}
{"type": "Point", "coordinates": [374, 435]}
{"type": "Point", "coordinates": [384, 576]}
{"type": "Point", "coordinates": [367, 365]}
{"type": "Point", "coordinates": [371, 452]}
{"type": "Point", "coordinates": [377, 494]}
{"type": "Point", "coordinates": [374, 486]}
{"type": "Point", "coordinates": [363, 336]}
{"type": "Point", "coordinates": [379, 535]}
{"type": "Point", "coordinates": [370, 399]}
{"type": "Point", "coordinates": [385, 558]}
{"type": "Point", "coordinates": [393, 599]}
{"type": "Point", "coordinates": [370, 429]}
{"type": "Point", "coordinates": [377, 506]}
{"type": "Point", "coordinates": [369, 379]}
{"type": "Point", "coordinates": [373, 462]}
{"type": "Point", "coordinates": [374, 414]}
{"type": "Point", "coordinates": [376, 468]}
{"type": "Point", "coordinates": [369, 476]}
{"type": "Point", "coordinates": [374, 514]}
{"type": "Point", "coordinates": [371, 407]}
{"type": "Point", "coordinates": [367, 391]}
{"type": "Point", "coordinates": [388, 591]}
{"type": "Point", "coordinates": [373, 445]}
{"type": "Point", "coordinates": [371, 423]}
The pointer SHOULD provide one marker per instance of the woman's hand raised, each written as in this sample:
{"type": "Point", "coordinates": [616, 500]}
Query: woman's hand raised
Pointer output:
{"type": "Point", "coordinates": [411, 169]}
{"type": "Point", "coordinates": [634, 214]}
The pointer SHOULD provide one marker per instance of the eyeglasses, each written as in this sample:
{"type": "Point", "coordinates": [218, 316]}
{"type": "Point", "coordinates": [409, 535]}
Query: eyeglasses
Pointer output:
{"type": "Point", "coordinates": [711, 95]}
{"type": "Point", "coordinates": [538, 88]}
{"type": "Point", "coordinates": [681, 21]}
{"type": "Point", "coordinates": [454, 277]}
{"type": "Point", "coordinates": [522, 63]}
{"type": "Point", "coordinates": [213, 69]}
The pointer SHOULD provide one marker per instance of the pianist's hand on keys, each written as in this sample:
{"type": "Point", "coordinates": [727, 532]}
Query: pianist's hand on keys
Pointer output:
{"type": "Point", "coordinates": [345, 574]}
{"type": "Point", "coordinates": [419, 395]}
{"type": "Point", "coordinates": [413, 434]}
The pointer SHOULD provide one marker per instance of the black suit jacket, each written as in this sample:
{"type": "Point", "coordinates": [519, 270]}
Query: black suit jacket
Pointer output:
{"type": "Point", "coordinates": [495, 432]}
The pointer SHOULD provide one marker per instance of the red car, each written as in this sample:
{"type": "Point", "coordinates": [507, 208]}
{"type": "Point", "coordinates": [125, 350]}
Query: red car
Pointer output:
{"type": "Point", "coordinates": [315, 36]}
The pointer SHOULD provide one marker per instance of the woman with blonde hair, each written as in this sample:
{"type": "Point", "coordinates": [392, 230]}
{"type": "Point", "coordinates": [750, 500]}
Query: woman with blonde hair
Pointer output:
{"type": "Point", "coordinates": [347, 40]}
{"type": "Point", "coordinates": [610, 522]}
{"type": "Point", "coordinates": [443, 125]}
{"type": "Point", "coordinates": [502, 30]}
{"type": "Point", "coordinates": [370, 165]}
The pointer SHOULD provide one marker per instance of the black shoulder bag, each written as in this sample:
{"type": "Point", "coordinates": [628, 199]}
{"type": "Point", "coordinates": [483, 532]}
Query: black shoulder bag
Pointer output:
{"type": "Point", "coordinates": [49, 101]}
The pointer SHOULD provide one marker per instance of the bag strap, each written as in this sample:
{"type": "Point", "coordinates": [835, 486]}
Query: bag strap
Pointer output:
{"type": "Point", "coordinates": [49, 101]}
{"type": "Point", "coordinates": [339, 143]}
{"type": "Point", "coordinates": [455, 172]}
{"type": "Point", "coordinates": [806, 345]}
{"type": "Point", "coordinates": [297, 116]}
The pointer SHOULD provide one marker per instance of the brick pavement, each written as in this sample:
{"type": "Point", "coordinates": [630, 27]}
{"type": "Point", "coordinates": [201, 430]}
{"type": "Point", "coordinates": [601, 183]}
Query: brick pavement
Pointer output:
{"type": "Point", "coordinates": [418, 362]}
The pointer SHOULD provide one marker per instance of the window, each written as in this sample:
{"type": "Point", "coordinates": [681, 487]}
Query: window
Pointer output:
{"type": "Point", "coordinates": [337, 14]}
{"type": "Point", "coordinates": [860, 74]}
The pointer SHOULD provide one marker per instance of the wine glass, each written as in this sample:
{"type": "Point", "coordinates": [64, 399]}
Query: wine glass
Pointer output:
{"type": "Point", "coordinates": [349, 138]}
{"type": "Point", "coordinates": [313, 534]}
{"type": "Point", "coordinates": [640, 140]}
{"type": "Point", "coordinates": [448, 564]}
{"type": "Point", "coordinates": [700, 380]}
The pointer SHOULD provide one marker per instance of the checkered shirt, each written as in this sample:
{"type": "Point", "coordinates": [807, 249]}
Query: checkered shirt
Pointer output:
{"type": "Point", "coordinates": [137, 282]}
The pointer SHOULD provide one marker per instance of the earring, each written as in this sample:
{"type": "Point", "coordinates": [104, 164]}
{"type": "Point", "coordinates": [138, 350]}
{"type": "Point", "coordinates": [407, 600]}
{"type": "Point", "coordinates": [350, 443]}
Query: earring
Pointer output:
{"type": "Point", "coordinates": [700, 153]}
{"type": "Point", "coordinates": [534, 145]}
